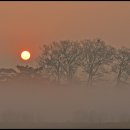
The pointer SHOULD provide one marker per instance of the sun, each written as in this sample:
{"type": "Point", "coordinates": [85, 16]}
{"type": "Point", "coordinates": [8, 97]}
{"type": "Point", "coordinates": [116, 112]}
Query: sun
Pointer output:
{"type": "Point", "coordinates": [25, 55]}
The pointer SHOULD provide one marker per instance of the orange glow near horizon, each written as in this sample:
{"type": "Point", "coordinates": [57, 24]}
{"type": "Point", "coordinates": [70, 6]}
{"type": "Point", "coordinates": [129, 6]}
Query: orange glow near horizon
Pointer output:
{"type": "Point", "coordinates": [25, 55]}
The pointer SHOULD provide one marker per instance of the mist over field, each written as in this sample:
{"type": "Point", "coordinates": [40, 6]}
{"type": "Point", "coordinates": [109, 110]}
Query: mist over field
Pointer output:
{"type": "Point", "coordinates": [48, 105]}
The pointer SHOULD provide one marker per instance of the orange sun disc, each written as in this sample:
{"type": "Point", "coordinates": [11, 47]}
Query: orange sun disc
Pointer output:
{"type": "Point", "coordinates": [25, 55]}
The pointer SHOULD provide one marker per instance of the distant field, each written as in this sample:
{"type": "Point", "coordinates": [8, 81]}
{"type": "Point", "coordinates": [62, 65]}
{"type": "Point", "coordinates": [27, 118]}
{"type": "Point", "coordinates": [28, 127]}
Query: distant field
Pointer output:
{"type": "Point", "coordinates": [34, 105]}
{"type": "Point", "coordinates": [120, 125]}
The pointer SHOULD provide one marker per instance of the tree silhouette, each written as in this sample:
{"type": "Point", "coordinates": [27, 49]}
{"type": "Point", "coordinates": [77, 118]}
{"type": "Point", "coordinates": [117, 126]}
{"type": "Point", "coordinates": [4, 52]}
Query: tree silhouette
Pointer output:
{"type": "Point", "coordinates": [71, 56]}
{"type": "Point", "coordinates": [27, 71]}
{"type": "Point", "coordinates": [50, 60]}
{"type": "Point", "coordinates": [96, 54]}
{"type": "Point", "coordinates": [7, 74]}
{"type": "Point", "coordinates": [61, 58]}
{"type": "Point", "coordinates": [121, 64]}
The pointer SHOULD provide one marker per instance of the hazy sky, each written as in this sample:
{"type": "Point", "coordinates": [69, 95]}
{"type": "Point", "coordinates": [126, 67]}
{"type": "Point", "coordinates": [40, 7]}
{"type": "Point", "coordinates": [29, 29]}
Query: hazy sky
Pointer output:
{"type": "Point", "coordinates": [28, 25]}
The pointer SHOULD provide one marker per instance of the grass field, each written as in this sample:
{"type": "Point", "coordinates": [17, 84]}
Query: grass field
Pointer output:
{"type": "Point", "coordinates": [29, 105]}
{"type": "Point", "coordinates": [118, 125]}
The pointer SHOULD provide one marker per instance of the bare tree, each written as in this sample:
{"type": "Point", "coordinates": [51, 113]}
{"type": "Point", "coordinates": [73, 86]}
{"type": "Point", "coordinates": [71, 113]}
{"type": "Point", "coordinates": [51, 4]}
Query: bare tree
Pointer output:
{"type": "Point", "coordinates": [61, 58]}
{"type": "Point", "coordinates": [96, 54]}
{"type": "Point", "coordinates": [50, 60]}
{"type": "Point", "coordinates": [121, 64]}
{"type": "Point", "coordinates": [71, 56]}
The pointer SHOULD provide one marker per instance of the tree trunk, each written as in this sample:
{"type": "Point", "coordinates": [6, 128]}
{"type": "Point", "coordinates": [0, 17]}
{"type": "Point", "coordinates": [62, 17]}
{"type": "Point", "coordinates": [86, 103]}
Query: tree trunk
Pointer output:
{"type": "Point", "coordinates": [90, 80]}
{"type": "Point", "coordinates": [58, 77]}
{"type": "Point", "coordinates": [119, 77]}
{"type": "Point", "coordinates": [69, 76]}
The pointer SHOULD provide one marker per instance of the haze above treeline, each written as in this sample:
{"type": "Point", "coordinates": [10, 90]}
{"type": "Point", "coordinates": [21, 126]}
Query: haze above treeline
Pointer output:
{"type": "Point", "coordinates": [28, 25]}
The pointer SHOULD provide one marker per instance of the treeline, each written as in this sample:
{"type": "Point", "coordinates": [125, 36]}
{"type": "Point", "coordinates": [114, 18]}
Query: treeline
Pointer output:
{"type": "Point", "coordinates": [60, 61]}
{"type": "Point", "coordinates": [22, 72]}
